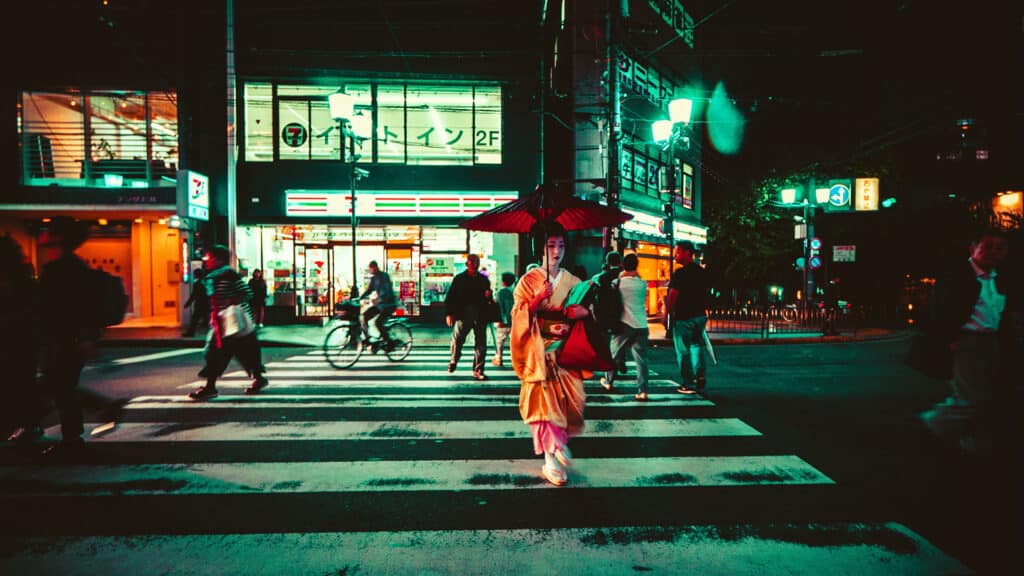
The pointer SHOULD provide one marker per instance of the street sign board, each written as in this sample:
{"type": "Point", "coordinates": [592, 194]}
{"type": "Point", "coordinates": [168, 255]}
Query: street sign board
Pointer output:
{"type": "Point", "coordinates": [799, 231]}
{"type": "Point", "coordinates": [815, 262]}
{"type": "Point", "coordinates": [867, 194]}
{"type": "Point", "coordinates": [840, 196]}
{"type": "Point", "coordinates": [193, 195]}
{"type": "Point", "coordinates": [845, 253]}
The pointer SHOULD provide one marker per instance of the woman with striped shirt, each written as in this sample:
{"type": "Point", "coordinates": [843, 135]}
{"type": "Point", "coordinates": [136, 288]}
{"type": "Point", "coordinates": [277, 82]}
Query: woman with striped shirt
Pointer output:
{"type": "Point", "coordinates": [226, 288]}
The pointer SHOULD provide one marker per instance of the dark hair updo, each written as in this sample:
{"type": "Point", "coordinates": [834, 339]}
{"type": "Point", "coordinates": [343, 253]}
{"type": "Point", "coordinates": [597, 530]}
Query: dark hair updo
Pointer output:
{"type": "Point", "coordinates": [540, 233]}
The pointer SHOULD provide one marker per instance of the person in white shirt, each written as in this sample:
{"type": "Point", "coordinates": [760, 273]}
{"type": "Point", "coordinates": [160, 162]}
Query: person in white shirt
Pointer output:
{"type": "Point", "coordinates": [634, 333]}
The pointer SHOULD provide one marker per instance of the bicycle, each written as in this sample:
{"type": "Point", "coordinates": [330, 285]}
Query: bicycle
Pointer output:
{"type": "Point", "coordinates": [344, 344]}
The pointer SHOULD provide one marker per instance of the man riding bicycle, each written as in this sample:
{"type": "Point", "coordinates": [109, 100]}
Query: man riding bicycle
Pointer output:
{"type": "Point", "coordinates": [383, 308]}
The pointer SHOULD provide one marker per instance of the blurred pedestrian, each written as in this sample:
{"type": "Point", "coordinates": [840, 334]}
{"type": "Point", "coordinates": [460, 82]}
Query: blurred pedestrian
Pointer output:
{"type": "Point", "coordinates": [633, 333]}
{"type": "Point", "coordinates": [688, 292]}
{"type": "Point", "coordinates": [974, 313]}
{"type": "Point", "coordinates": [233, 330]}
{"type": "Point", "coordinates": [258, 304]}
{"type": "Point", "coordinates": [70, 330]}
{"type": "Point", "coordinates": [19, 345]}
{"type": "Point", "coordinates": [551, 398]}
{"type": "Point", "coordinates": [200, 304]}
{"type": "Point", "coordinates": [505, 301]}
{"type": "Point", "coordinates": [608, 310]}
{"type": "Point", "coordinates": [464, 307]}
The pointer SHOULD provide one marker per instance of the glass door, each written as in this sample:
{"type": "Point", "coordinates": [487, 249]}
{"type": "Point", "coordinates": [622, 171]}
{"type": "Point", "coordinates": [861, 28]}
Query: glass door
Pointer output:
{"type": "Point", "coordinates": [313, 270]}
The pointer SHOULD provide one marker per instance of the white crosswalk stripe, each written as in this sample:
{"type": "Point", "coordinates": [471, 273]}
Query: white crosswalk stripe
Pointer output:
{"type": "Point", "coordinates": [384, 437]}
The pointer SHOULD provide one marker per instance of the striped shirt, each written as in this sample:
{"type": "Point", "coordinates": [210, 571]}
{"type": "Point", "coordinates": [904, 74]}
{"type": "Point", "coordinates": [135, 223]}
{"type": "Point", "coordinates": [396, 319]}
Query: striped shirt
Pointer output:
{"type": "Point", "coordinates": [225, 287]}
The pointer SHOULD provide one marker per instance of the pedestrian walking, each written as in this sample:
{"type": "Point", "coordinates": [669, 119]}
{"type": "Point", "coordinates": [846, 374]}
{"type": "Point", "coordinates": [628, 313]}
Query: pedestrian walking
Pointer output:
{"type": "Point", "coordinates": [70, 328]}
{"type": "Point", "coordinates": [551, 398]}
{"type": "Point", "coordinates": [972, 317]}
{"type": "Point", "coordinates": [608, 309]}
{"type": "Point", "coordinates": [687, 303]}
{"type": "Point", "coordinates": [258, 304]}
{"type": "Point", "coordinates": [233, 330]}
{"type": "Point", "coordinates": [633, 334]}
{"type": "Point", "coordinates": [200, 304]}
{"type": "Point", "coordinates": [464, 306]}
{"type": "Point", "coordinates": [505, 301]}
{"type": "Point", "coordinates": [19, 345]}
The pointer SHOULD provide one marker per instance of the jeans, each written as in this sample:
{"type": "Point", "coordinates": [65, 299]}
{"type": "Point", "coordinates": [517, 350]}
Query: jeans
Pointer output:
{"type": "Point", "coordinates": [688, 338]}
{"type": "Point", "coordinates": [501, 334]}
{"type": "Point", "coordinates": [461, 329]}
{"type": "Point", "coordinates": [636, 339]}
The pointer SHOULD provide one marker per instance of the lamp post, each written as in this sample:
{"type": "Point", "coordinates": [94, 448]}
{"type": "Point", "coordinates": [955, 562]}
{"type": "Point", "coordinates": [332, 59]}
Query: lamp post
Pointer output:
{"type": "Point", "coordinates": [343, 110]}
{"type": "Point", "coordinates": [670, 134]}
{"type": "Point", "coordinates": [789, 200]}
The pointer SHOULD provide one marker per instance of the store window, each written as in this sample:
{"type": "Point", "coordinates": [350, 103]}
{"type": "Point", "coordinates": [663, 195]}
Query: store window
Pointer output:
{"type": "Point", "coordinates": [259, 122]}
{"type": "Point", "coordinates": [391, 124]}
{"type": "Point", "coordinates": [131, 141]}
{"type": "Point", "coordinates": [412, 124]}
{"type": "Point", "coordinates": [687, 186]}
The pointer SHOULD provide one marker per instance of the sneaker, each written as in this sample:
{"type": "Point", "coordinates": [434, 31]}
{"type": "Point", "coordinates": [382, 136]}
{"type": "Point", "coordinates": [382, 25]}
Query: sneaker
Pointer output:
{"type": "Point", "coordinates": [496, 362]}
{"type": "Point", "coordinates": [686, 390]}
{"type": "Point", "coordinates": [451, 367]}
{"type": "Point", "coordinates": [110, 415]}
{"type": "Point", "coordinates": [258, 384]}
{"type": "Point", "coordinates": [640, 397]}
{"type": "Point", "coordinates": [204, 393]}
{"type": "Point", "coordinates": [556, 477]}
{"type": "Point", "coordinates": [479, 376]}
{"type": "Point", "coordinates": [563, 456]}
{"type": "Point", "coordinates": [606, 384]}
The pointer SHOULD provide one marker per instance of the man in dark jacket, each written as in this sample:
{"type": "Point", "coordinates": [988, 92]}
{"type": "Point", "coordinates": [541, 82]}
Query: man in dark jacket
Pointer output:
{"type": "Point", "coordinates": [463, 312]}
{"type": "Point", "coordinates": [200, 303]}
{"type": "Point", "coordinates": [973, 312]}
{"type": "Point", "coordinates": [69, 334]}
{"type": "Point", "coordinates": [687, 304]}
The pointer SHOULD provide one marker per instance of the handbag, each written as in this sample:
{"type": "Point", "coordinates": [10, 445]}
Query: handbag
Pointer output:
{"type": "Point", "coordinates": [585, 348]}
{"type": "Point", "coordinates": [489, 312]}
{"type": "Point", "coordinates": [235, 322]}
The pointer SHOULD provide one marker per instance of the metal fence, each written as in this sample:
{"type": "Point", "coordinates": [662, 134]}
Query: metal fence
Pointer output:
{"type": "Point", "coordinates": [773, 321]}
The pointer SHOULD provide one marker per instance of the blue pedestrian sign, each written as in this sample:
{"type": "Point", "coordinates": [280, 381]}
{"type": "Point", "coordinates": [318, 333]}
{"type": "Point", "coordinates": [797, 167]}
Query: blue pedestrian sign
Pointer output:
{"type": "Point", "coordinates": [815, 262]}
{"type": "Point", "coordinates": [839, 195]}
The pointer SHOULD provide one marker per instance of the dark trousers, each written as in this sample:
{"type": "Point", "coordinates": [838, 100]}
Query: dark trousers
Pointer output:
{"type": "Point", "coordinates": [460, 329]}
{"type": "Point", "coordinates": [200, 316]}
{"type": "Point", "coordinates": [62, 368]}
{"type": "Point", "coordinates": [245, 348]}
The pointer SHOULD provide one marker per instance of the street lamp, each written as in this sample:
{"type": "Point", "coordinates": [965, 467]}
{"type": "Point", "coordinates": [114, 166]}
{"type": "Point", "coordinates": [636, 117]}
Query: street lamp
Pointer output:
{"type": "Point", "coordinates": [343, 111]}
{"type": "Point", "coordinates": [671, 133]}
{"type": "Point", "coordinates": [788, 196]}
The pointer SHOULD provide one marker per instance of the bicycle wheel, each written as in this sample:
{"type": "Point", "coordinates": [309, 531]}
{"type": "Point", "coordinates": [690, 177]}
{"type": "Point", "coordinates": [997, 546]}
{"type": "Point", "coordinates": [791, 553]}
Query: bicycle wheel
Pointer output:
{"type": "Point", "coordinates": [788, 315]}
{"type": "Point", "coordinates": [342, 347]}
{"type": "Point", "coordinates": [401, 342]}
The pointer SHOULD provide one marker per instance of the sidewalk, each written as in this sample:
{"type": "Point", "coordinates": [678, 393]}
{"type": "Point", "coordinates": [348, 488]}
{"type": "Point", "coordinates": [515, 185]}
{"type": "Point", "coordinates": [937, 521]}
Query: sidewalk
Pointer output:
{"type": "Point", "coordinates": [434, 335]}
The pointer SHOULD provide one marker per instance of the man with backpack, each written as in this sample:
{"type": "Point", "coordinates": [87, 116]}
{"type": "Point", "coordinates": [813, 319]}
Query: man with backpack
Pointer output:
{"type": "Point", "coordinates": [70, 329]}
{"type": "Point", "coordinates": [632, 332]}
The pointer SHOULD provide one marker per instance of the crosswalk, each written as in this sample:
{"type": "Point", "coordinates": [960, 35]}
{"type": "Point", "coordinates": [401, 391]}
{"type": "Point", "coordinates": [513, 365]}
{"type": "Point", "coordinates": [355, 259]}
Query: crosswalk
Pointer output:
{"type": "Point", "coordinates": [403, 468]}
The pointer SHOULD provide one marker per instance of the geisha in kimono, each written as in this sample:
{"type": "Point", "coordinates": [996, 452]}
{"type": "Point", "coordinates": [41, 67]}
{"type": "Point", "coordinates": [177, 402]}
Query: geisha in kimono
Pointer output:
{"type": "Point", "coordinates": [551, 398]}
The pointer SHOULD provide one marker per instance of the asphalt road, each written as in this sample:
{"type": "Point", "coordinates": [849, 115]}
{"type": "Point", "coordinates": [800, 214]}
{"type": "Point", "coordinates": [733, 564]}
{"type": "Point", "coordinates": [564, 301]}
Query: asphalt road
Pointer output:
{"type": "Point", "coordinates": [845, 413]}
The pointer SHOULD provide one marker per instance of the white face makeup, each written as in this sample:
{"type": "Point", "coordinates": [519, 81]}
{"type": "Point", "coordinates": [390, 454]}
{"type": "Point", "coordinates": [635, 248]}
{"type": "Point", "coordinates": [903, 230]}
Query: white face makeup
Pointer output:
{"type": "Point", "coordinates": [554, 251]}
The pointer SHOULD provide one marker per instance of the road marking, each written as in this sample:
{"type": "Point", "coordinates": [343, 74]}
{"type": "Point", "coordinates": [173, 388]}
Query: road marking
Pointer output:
{"type": "Point", "coordinates": [407, 476]}
{"type": "Point", "coordinates": [146, 357]}
{"type": "Point", "coordinates": [404, 430]}
{"type": "Point", "coordinates": [388, 401]}
{"type": "Point", "coordinates": [838, 549]}
{"type": "Point", "coordinates": [240, 381]}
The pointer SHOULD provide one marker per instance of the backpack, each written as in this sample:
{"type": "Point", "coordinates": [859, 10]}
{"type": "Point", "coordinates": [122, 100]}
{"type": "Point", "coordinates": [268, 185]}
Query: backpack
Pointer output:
{"type": "Point", "coordinates": [109, 298]}
{"type": "Point", "coordinates": [607, 304]}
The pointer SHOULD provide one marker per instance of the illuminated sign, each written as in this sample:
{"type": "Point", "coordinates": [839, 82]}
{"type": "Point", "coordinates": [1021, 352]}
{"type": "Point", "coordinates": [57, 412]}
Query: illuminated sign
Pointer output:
{"type": "Point", "coordinates": [415, 204]}
{"type": "Point", "coordinates": [644, 81]}
{"type": "Point", "coordinates": [642, 223]}
{"type": "Point", "coordinates": [676, 16]}
{"type": "Point", "coordinates": [866, 197]}
{"type": "Point", "coordinates": [193, 195]}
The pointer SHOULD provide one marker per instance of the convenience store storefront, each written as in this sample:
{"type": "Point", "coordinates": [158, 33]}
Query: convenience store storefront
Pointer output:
{"type": "Point", "coordinates": [414, 236]}
{"type": "Point", "coordinates": [646, 238]}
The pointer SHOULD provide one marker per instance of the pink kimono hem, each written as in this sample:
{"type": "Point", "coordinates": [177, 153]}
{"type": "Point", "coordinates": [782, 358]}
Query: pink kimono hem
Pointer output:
{"type": "Point", "coordinates": [547, 437]}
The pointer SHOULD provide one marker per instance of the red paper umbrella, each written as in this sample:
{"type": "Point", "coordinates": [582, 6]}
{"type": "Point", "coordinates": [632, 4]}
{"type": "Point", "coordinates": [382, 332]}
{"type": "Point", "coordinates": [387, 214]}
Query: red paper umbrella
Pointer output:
{"type": "Point", "coordinates": [546, 204]}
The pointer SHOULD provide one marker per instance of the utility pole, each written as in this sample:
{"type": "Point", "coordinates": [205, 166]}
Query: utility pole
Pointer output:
{"type": "Point", "coordinates": [808, 271]}
{"type": "Point", "coordinates": [613, 121]}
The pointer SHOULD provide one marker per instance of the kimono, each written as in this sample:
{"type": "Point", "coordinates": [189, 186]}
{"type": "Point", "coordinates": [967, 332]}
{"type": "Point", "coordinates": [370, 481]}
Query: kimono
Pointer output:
{"type": "Point", "coordinates": [551, 398]}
